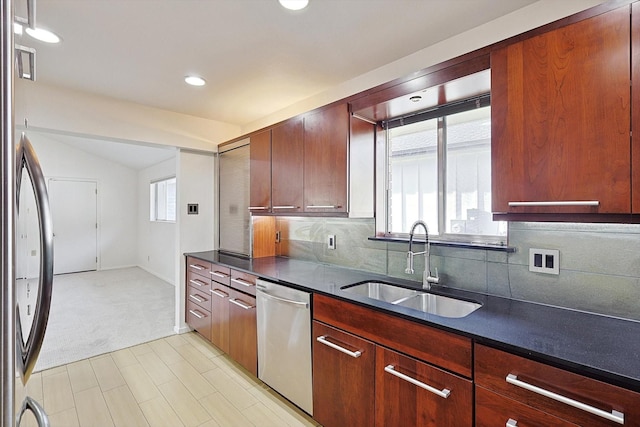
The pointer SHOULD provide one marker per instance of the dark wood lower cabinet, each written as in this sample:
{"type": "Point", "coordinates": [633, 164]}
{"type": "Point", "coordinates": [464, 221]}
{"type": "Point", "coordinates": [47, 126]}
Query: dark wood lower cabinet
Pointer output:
{"type": "Point", "coordinates": [243, 331]}
{"type": "Point", "coordinates": [199, 319]}
{"type": "Point", "coordinates": [343, 378]}
{"type": "Point", "coordinates": [220, 316]}
{"type": "Point", "coordinates": [412, 393]}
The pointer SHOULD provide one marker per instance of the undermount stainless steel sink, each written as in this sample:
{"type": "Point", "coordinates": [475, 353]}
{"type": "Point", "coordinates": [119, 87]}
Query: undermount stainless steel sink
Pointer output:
{"type": "Point", "coordinates": [440, 305]}
{"type": "Point", "coordinates": [381, 291]}
{"type": "Point", "coordinates": [414, 299]}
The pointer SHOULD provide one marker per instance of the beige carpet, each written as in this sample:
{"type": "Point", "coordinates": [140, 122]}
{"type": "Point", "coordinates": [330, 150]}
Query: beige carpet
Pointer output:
{"type": "Point", "coordinates": [98, 312]}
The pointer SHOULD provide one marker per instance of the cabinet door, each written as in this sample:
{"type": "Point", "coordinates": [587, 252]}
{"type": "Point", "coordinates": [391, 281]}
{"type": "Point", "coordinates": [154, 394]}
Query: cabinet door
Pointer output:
{"type": "Point", "coordinates": [343, 371]}
{"type": "Point", "coordinates": [412, 393]}
{"type": "Point", "coordinates": [635, 107]}
{"type": "Point", "coordinates": [260, 172]}
{"type": "Point", "coordinates": [287, 166]}
{"type": "Point", "coordinates": [243, 332]}
{"type": "Point", "coordinates": [199, 319]}
{"type": "Point", "coordinates": [560, 123]}
{"type": "Point", "coordinates": [326, 137]}
{"type": "Point", "coordinates": [220, 316]}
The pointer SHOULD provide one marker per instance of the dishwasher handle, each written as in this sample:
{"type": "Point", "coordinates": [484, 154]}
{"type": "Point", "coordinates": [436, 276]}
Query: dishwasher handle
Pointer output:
{"type": "Point", "coordinates": [300, 304]}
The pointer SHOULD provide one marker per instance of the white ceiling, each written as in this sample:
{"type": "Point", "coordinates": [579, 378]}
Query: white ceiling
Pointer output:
{"type": "Point", "coordinates": [257, 57]}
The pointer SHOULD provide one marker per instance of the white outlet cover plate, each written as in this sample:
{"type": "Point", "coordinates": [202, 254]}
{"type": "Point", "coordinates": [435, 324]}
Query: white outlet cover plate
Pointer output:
{"type": "Point", "coordinates": [554, 253]}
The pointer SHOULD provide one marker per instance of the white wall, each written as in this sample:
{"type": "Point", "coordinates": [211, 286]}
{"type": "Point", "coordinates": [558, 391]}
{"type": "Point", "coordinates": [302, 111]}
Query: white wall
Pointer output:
{"type": "Point", "coordinates": [195, 233]}
{"type": "Point", "coordinates": [117, 196]}
{"type": "Point", "coordinates": [156, 240]}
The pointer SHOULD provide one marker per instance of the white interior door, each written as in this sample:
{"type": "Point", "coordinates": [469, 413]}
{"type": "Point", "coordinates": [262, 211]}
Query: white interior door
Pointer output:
{"type": "Point", "coordinates": [75, 225]}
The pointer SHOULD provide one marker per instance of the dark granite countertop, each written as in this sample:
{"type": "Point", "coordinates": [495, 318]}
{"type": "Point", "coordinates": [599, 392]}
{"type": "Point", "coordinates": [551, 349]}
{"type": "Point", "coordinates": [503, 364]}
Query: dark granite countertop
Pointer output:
{"type": "Point", "coordinates": [601, 347]}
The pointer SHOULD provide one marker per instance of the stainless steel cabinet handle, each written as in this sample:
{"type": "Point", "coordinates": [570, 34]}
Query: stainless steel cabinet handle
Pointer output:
{"type": "Point", "coordinates": [196, 266]}
{"type": "Point", "coordinates": [301, 304]}
{"type": "Point", "coordinates": [322, 207]}
{"type": "Point", "coordinates": [196, 298]}
{"type": "Point", "coordinates": [217, 274]}
{"type": "Point", "coordinates": [444, 393]}
{"type": "Point", "coordinates": [197, 314]}
{"type": "Point", "coordinates": [36, 409]}
{"type": "Point", "coordinates": [323, 340]}
{"type": "Point", "coordinates": [242, 282]}
{"type": "Point", "coordinates": [239, 303]}
{"type": "Point", "coordinates": [559, 203]}
{"type": "Point", "coordinates": [219, 293]}
{"type": "Point", "coordinates": [30, 349]}
{"type": "Point", "coordinates": [285, 207]}
{"type": "Point", "coordinates": [614, 415]}
{"type": "Point", "coordinates": [197, 282]}
{"type": "Point", "coordinates": [258, 208]}
{"type": "Point", "coordinates": [511, 423]}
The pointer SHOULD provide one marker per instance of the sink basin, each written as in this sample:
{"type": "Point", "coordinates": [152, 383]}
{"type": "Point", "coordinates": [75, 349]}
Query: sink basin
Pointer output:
{"type": "Point", "coordinates": [440, 305]}
{"type": "Point", "coordinates": [381, 291]}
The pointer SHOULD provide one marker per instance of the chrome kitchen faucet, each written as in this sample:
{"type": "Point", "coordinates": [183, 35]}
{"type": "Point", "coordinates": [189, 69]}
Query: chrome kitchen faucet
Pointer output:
{"type": "Point", "coordinates": [427, 279]}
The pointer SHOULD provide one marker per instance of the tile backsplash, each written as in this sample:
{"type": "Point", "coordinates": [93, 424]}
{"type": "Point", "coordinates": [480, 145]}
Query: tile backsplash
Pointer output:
{"type": "Point", "coordinates": [599, 263]}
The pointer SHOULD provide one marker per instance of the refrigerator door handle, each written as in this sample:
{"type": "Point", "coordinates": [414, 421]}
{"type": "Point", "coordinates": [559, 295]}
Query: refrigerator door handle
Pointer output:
{"type": "Point", "coordinates": [36, 409]}
{"type": "Point", "coordinates": [29, 350]}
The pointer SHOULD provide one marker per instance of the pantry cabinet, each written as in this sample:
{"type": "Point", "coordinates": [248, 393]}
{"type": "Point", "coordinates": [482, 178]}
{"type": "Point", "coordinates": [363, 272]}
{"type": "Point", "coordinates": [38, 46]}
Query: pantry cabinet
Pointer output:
{"type": "Point", "coordinates": [561, 120]}
{"type": "Point", "coordinates": [411, 388]}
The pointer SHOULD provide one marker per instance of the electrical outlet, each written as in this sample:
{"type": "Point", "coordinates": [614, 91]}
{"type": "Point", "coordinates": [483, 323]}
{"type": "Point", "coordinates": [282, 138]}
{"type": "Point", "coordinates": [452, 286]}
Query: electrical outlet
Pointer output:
{"type": "Point", "coordinates": [331, 241]}
{"type": "Point", "coordinates": [544, 261]}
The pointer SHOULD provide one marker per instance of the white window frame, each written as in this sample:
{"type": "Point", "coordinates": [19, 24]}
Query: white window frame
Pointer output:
{"type": "Point", "coordinates": [156, 200]}
{"type": "Point", "coordinates": [383, 189]}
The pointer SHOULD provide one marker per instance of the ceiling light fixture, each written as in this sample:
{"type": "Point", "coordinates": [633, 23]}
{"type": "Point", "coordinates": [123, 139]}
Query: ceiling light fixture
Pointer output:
{"type": "Point", "coordinates": [43, 35]}
{"type": "Point", "coordinates": [415, 98]}
{"type": "Point", "coordinates": [195, 81]}
{"type": "Point", "coordinates": [294, 4]}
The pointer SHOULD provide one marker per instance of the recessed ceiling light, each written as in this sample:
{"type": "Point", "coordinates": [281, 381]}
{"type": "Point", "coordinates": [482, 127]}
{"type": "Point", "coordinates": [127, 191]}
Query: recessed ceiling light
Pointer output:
{"type": "Point", "coordinates": [43, 35]}
{"type": "Point", "coordinates": [195, 81]}
{"type": "Point", "coordinates": [294, 4]}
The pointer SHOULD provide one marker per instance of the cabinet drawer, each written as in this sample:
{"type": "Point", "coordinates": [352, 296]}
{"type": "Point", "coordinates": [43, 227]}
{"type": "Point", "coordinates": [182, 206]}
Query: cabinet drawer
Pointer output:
{"type": "Point", "coordinates": [343, 367]}
{"type": "Point", "coordinates": [445, 349]}
{"type": "Point", "coordinates": [561, 393]}
{"type": "Point", "coordinates": [198, 282]}
{"type": "Point", "coordinates": [197, 266]}
{"type": "Point", "coordinates": [199, 297]}
{"type": "Point", "coordinates": [199, 319]}
{"type": "Point", "coordinates": [220, 274]}
{"type": "Point", "coordinates": [413, 393]}
{"type": "Point", "coordinates": [495, 410]}
{"type": "Point", "coordinates": [244, 282]}
{"type": "Point", "coordinates": [243, 330]}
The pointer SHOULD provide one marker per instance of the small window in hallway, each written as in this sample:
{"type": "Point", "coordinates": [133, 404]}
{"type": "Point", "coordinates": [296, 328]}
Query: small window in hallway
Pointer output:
{"type": "Point", "coordinates": [163, 200]}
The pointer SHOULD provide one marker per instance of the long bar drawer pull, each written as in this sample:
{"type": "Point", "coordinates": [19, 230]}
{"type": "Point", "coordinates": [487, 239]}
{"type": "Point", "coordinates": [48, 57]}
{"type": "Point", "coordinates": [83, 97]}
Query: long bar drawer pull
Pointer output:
{"type": "Point", "coordinates": [285, 207]}
{"type": "Point", "coordinates": [196, 298]}
{"type": "Point", "coordinates": [219, 293]}
{"type": "Point", "coordinates": [511, 423]}
{"type": "Point", "coordinates": [258, 208]}
{"type": "Point", "coordinates": [197, 282]}
{"type": "Point", "coordinates": [218, 274]}
{"type": "Point", "coordinates": [323, 340]}
{"type": "Point", "coordinates": [242, 282]}
{"type": "Point", "coordinates": [239, 303]}
{"type": "Point", "coordinates": [196, 266]}
{"type": "Point", "coordinates": [198, 315]}
{"type": "Point", "coordinates": [322, 207]}
{"type": "Point", "coordinates": [444, 393]}
{"type": "Point", "coordinates": [614, 415]}
{"type": "Point", "coordinates": [559, 203]}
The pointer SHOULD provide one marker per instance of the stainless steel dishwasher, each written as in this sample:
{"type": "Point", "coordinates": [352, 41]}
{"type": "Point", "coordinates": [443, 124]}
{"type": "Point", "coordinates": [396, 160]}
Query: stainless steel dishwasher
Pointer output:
{"type": "Point", "coordinates": [284, 341]}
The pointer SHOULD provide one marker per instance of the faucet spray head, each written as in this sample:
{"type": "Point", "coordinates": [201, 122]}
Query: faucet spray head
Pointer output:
{"type": "Point", "coordinates": [409, 269]}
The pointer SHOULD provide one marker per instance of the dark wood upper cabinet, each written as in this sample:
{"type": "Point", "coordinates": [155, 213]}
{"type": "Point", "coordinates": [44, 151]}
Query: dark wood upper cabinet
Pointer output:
{"type": "Point", "coordinates": [260, 175]}
{"type": "Point", "coordinates": [287, 166]}
{"type": "Point", "coordinates": [326, 143]}
{"type": "Point", "coordinates": [635, 106]}
{"type": "Point", "coordinates": [561, 119]}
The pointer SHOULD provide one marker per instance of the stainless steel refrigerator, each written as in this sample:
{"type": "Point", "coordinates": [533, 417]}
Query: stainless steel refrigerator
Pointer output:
{"type": "Point", "coordinates": [21, 172]}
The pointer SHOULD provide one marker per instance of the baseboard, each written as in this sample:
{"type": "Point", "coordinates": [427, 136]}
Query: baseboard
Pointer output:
{"type": "Point", "coordinates": [182, 329]}
{"type": "Point", "coordinates": [170, 281]}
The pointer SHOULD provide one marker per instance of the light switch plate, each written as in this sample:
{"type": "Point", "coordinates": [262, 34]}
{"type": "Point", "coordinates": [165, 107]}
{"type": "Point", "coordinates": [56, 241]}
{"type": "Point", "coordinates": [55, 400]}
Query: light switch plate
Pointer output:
{"type": "Point", "coordinates": [544, 261]}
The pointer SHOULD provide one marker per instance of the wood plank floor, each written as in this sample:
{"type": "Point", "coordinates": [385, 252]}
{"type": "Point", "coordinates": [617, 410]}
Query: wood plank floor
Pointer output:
{"type": "Point", "coordinates": [181, 380]}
